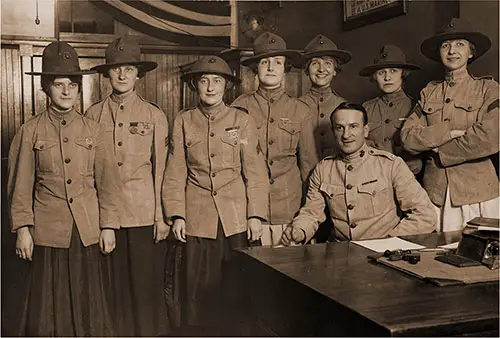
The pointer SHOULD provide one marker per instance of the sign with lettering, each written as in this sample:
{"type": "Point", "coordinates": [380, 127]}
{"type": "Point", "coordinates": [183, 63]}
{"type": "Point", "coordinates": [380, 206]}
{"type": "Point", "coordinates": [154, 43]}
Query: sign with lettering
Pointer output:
{"type": "Point", "coordinates": [358, 13]}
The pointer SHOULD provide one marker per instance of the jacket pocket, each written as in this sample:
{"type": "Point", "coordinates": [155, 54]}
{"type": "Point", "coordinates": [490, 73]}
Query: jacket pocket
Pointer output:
{"type": "Point", "coordinates": [289, 136]}
{"type": "Point", "coordinates": [433, 111]}
{"type": "Point", "coordinates": [194, 149]}
{"type": "Point", "coordinates": [375, 198]}
{"type": "Point", "coordinates": [230, 149]}
{"type": "Point", "coordinates": [47, 156]}
{"type": "Point", "coordinates": [141, 138]}
{"type": "Point", "coordinates": [86, 154]}
{"type": "Point", "coordinates": [467, 112]}
{"type": "Point", "coordinates": [335, 197]}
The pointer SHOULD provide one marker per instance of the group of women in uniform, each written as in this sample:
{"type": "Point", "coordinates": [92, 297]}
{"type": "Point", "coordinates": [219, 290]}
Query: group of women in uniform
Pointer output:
{"type": "Point", "coordinates": [92, 196]}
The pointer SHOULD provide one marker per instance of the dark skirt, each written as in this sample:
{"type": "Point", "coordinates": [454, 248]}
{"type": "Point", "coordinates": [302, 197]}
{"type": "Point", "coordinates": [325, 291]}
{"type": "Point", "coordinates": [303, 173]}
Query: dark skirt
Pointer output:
{"type": "Point", "coordinates": [65, 292]}
{"type": "Point", "coordinates": [208, 264]}
{"type": "Point", "coordinates": [137, 273]}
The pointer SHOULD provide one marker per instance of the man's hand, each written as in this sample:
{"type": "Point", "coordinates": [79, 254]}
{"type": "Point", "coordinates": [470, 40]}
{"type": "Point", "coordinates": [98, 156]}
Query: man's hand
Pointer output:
{"type": "Point", "coordinates": [160, 231]}
{"type": "Point", "coordinates": [292, 235]}
{"type": "Point", "coordinates": [254, 229]}
{"type": "Point", "coordinates": [179, 229]}
{"type": "Point", "coordinates": [457, 133]}
{"type": "Point", "coordinates": [107, 241]}
{"type": "Point", "coordinates": [24, 244]}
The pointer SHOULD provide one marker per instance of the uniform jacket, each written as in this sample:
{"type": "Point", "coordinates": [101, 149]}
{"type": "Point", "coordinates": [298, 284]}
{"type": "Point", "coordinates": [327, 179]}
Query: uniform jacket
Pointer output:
{"type": "Point", "coordinates": [215, 170]}
{"type": "Point", "coordinates": [362, 191]}
{"type": "Point", "coordinates": [285, 129]}
{"type": "Point", "coordinates": [322, 102]}
{"type": "Point", "coordinates": [386, 115]}
{"type": "Point", "coordinates": [60, 173]}
{"type": "Point", "coordinates": [462, 164]}
{"type": "Point", "coordinates": [139, 130]}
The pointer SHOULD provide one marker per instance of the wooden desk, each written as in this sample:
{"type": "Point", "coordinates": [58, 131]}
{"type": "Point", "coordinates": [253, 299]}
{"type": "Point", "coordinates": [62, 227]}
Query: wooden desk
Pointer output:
{"type": "Point", "coordinates": [332, 289]}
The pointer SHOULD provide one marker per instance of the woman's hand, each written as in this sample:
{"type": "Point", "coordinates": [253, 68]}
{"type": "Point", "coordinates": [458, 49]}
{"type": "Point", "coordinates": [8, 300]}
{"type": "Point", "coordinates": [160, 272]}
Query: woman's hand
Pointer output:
{"type": "Point", "coordinates": [254, 229]}
{"type": "Point", "coordinates": [179, 229]}
{"type": "Point", "coordinates": [107, 241]}
{"type": "Point", "coordinates": [24, 244]}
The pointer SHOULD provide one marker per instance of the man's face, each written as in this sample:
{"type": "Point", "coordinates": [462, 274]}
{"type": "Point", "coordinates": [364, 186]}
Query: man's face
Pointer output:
{"type": "Point", "coordinates": [455, 54]}
{"type": "Point", "coordinates": [349, 130]}
{"type": "Point", "coordinates": [389, 80]}
{"type": "Point", "coordinates": [271, 71]}
{"type": "Point", "coordinates": [123, 78]}
{"type": "Point", "coordinates": [322, 71]}
{"type": "Point", "coordinates": [211, 89]}
{"type": "Point", "coordinates": [63, 93]}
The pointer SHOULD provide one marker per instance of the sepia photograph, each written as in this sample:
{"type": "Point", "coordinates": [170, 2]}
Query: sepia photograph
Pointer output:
{"type": "Point", "coordinates": [243, 168]}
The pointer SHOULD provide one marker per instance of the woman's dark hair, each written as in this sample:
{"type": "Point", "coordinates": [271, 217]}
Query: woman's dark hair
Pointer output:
{"type": "Point", "coordinates": [193, 80]}
{"type": "Point", "coordinates": [255, 66]}
{"type": "Point", "coordinates": [338, 69]}
{"type": "Point", "coordinates": [47, 80]}
{"type": "Point", "coordinates": [404, 74]}
{"type": "Point", "coordinates": [351, 106]}
{"type": "Point", "coordinates": [140, 72]}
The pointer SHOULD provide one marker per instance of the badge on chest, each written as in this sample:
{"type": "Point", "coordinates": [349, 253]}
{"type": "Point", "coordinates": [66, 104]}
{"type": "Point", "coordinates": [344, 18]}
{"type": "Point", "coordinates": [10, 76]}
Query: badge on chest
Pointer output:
{"type": "Point", "coordinates": [140, 128]}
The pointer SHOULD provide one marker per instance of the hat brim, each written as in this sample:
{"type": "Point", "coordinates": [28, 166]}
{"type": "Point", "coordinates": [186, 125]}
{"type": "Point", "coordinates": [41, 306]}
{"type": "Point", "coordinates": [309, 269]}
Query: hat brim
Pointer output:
{"type": "Point", "coordinates": [430, 46]}
{"type": "Point", "coordinates": [186, 77]}
{"type": "Point", "coordinates": [145, 66]}
{"type": "Point", "coordinates": [293, 55]}
{"type": "Point", "coordinates": [342, 55]}
{"type": "Point", "coordinates": [83, 72]}
{"type": "Point", "coordinates": [369, 70]}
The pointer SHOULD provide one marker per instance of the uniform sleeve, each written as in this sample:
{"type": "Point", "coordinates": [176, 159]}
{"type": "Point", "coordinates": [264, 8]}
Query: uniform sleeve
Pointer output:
{"type": "Point", "coordinates": [175, 177]}
{"type": "Point", "coordinates": [160, 150]}
{"type": "Point", "coordinates": [413, 201]}
{"type": "Point", "coordinates": [255, 172]}
{"type": "Point", "coordinates": [308, 156]}
{"type": "Point", "coordinates": [481, 139]}
{"type": "Point", "coordinates": [369, 140]}
{"type": "Point", "coordinates": [313, 211]}
{"type": "Point", "coordinates": [107, 181]}
{"type": "Point", "coordinates": [21, 167]}
{"type": "Point", "coordinates": [417, 136]}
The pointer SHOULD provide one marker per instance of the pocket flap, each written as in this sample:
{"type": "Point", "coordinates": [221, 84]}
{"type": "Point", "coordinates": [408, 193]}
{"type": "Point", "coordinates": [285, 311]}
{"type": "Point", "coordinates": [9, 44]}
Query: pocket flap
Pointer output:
{"type": "Point", "coordinates": [231, 140]}
{"type": "Point", "coordinates": [44, 144]}
{"type": "Point", "coordinates": [86, 142]}
{"type": "Point", "coordinates": [470, 105]}
{"type": "Point", "coordinates": [432, 107]}
{"type": "Point", "coordinates": [372, 187]}
{"type": "Point", "coordinates": [190, 142]}
{"type": "Point", "coordinates": [289, 126]}
{"type": "Point", "coordinates": [331, 190]}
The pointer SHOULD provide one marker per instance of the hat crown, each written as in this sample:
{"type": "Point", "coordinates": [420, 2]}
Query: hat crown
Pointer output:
{"type": "Point", "coordinates": [319, 43]}
{"type": "Point", "coordinates": [209, 64]}
{"type": "Point", "coordinates": [268, 42]}
{"type": "Point", "coordinates": [60, 57]}
{"type": "Point", "coordinates": [390, 54]}
{"type": "Point", "coordinates": [123, 50]}
{"type": "Point", "coordinates": [455, 26]}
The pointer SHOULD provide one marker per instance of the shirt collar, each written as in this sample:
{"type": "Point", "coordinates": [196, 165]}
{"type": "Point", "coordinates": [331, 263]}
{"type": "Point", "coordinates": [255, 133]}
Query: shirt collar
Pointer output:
{"type": "Point", "coordinates": [457, 76]}
{"type": "Point", "coordinates": [357, 157]}
{"type": "Point", "coordinates": [57, 116]}
{"type": "Point", "coordinates": [124, 98]}
{"type": "Point", "coordinates": [269, 94]}
{"type": "Point", "coordinates": [398, 95]}
{"type": "Point", "coordinates": [212, 110]}
{"type": "Point", "coordinates": [321, 91]}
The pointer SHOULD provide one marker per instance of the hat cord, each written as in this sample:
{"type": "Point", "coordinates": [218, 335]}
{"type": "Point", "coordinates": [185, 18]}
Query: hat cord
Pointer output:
{"type": "Point", "coordinates": [37, 19]}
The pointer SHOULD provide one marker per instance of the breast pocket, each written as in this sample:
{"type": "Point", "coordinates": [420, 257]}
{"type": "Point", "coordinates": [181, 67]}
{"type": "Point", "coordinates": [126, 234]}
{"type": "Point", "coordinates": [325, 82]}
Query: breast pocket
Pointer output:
{"type": "Point", "coordinates": [194, 149]}
{"type": "Point", "coordinates": [433, 111]}
{"type": "Point", "coordinates": [230, 149]}
{"type": "Point", "coordinates": [375, 198]}
{"type": "Point", "coordinates": [141, 137]}
{"type": "Point", "coordinates": [466, 113]}
{"type": "Point", "coordinates": [86, 154]}
{"type": "Point", "coordinates": [289, 135]}
{"type": "Point", "coordinates": [47, 156]}
{"type": "Point", "coordinates": [334, 196]}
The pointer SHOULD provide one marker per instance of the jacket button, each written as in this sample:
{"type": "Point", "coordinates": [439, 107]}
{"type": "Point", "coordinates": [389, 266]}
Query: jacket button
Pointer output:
{"type": "Point", "coordinates": [446, 119]}
{"type": "Point", "coordinates": [387, 139]}
{"type": "Point", "coordinates": [361, 153]}
{"type": "Point", "coordinates": [350, 207]}
{"type": "Point", "coordinates": [120, 124]}
{"type": "Point", "coordinates": [120, 164]}
{"type": "Point", "coordinates": [71, 200]}
{"type": "Point", "coordinates": [120, 143]}
{"type": "Point", "coordinates": [447, 100]}
{"type": "Point", "coordinates": [429, 109]}
{"type": "Point", "coordinates": [350, 167]}
{"type": "Point", "coordinates": [212, 155]}
{"type": "Point", "coordinates": [321, 99]}
{"type": "Point", "coordinates": [353, 225]}
{"type": "Point", "coordinates": [349, 186]}
{"type": "Point", "coordinates": [214, 193]}
{"type": "Point", "coordinates": [391, 104]}
{"type": "Point", "coordinates": [469, 107]}
{"type": "Point", "coordinates": [452, 84]}
{"type": "Point", "coordinates": [67, 160]}
{"type": "Point", "coordinates": [271, 162]}
{"type": "Point", "coordinates": [271, 120]}
{"type": "Point", "coordinates": [271, 100]}
{"type": "Point", "coordinates": [321, 115]}
{"type": "Point", "coordinates": [69, 181]}
{"type": "Point", "coordinates": [65, 139]}
{"type": "Point", "coordinates": [122, 107]}
{"type": "Point", "coordinates": [212, 134]}
{"type": "Point", "coordinates": [212, 118]}
{"type": "Point", "coordinates": [188, 143]}
{"type": "Point", "coordinates": [271, 181]}
{"type": "Point", "coordinates": [213, 174]}
{"type": "Point", "coordinates": [90, 146]}
{"type": "Point", "coordinates": [271, 142]}
{"type": "Point", "coordinates": [321, 134]}
{"type": "Point", "coordinates": [387, 120]}
{"type": "Point", "coordinates": [63, 122]}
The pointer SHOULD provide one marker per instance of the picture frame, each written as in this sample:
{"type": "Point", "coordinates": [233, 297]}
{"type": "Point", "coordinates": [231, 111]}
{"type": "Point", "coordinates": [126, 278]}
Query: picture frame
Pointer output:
{"type": "Point", "coordinates": [358, 13]}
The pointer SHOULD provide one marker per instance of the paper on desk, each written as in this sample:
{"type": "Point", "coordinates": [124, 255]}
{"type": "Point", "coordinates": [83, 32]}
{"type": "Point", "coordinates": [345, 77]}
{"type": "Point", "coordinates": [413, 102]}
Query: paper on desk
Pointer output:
{"type": "Point", "coordinates": [392, 243]}
{"type": "Point", "coordinates": [453, 245]}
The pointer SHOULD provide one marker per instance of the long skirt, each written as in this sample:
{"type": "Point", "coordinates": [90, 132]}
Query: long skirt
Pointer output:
{"type": "Point", "coordinates": [208, 301]}
{"type": "Point", "coordinates": [65, 292]}
{"type": "Point", "coordinates": [137, 273]}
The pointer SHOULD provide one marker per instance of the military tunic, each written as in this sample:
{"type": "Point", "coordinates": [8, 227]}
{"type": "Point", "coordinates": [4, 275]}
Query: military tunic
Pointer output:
{"type": "Point", "coordinates": [386, 115]}
{"type": "Point", "coordinates": [322, 102]}
{"type": "Point", "coordinates": [285, 133]}
{"type": "Point", "coordinates": [362, 191]}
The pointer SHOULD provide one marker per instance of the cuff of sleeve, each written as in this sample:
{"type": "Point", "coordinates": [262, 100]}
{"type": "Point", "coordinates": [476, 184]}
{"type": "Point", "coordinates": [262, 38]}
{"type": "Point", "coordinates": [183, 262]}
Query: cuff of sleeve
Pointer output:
{"type": "Point", "coordinates": [309, 228]}
{"type": "Point", "coordinates": [114, 226]}
{"type": "Point", "coordinates": [18, 225]}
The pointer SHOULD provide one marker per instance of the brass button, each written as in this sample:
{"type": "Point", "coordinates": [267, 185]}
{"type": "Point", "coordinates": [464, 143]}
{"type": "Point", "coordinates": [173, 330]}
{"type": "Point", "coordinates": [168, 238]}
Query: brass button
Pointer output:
{"type": "Point", "coordinates": [271, 120]}
{"type": "Point", "coordinates": [349, 186]}
{"type": "Point", "coordinates": [387, 139]}
{"type": "Point", "coordinates": [321, 134]}
{"type": "Point", "coordinates": [271, 181]}
{"type": "Point", "coordinates": [212, 155]}
{"type": "Point", "coordinates": [212, 118]}
{"type": "Point", "coordinates": [452, 84]}
{"type": "Point", "coordinates": [67, 160]}
{"type": "Point", "coordinates": [350, 167]}
{"type": "Point", "coordinates": [271, 142]}
{"type": "Point", "coordinates": [391, 104]}
{"type": "Point", "coordinates": [353, 225]}
{"type": "Point", "coordinates": [446, 119]}
{"type": "Point", "coordinates": [387, 121]}
{"type": "Point", "coordinates": [65, 139]}
{"type": "Point", "coordinates": [69, 181]}
{"type": "Point", "coordinates": [212, 134]}
{"type": "Point", "coordinates": [321, 99]}
{"type": "Point", "coordinates": [361, 153]}
{"type": "Point", "coordinates": [120, 124]}
{"type": "Point", "coordinates": [213, 174]}
{"type": "Point", "coordinates": [71, 200]}
{"type": "Point", "coordinates": [429, 109]}
{"type": "Point", "coordinates": [63, 122]}
{"type": "Point", "coordinates": [120, 164]}
{"type": "Point", "coordinates": [90, 146]}
{"type": "Point", "coordinates": [321, 115]}
{"type": "Point", "coordinates": [271, 162]}
{"type": "Point", "coordinates": [350, 207]}
{"type": "Point", "coordinates": [271, 100]}
{"type": "Point", "coordinates": [214, 193]}
{"type": "Point", "coordinates": [469, 107]}
{"type": "Point", "coordinates": [188, 143]}
{"type": "Point", "coordinates": [122, 107]}
{"type": "Point", "coordinates": [447, 100]}
{"type": "Point", "coordinates": [120, 143]}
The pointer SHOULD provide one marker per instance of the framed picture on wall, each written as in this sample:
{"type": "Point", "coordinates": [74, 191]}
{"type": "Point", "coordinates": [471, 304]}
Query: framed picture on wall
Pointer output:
{"type": "Point", "coordinates": [358, 13]}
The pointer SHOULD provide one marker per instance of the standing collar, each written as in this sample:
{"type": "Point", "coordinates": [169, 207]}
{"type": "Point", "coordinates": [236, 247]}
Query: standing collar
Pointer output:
{"type": "Point", "coordinates": [457, 76]}
{"type": "Point", "coordinates": [269, 94]}
{"type": "Point", "coordinates": [357, 157]}
{"type": "Point", "coordinates": [57, 116]}
{"type": "Point", "coordinates": [212, 110]}
{"type": "Point", "coordinates": [124, 98]}
{"type": "Point", "coordinates": [319, 91]}
{"type": "Point", "coordinates": [397, 95]}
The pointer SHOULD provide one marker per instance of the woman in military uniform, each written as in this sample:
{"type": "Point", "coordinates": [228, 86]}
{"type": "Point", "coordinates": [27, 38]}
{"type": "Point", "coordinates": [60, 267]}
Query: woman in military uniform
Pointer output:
{"type": "Point", "coordinates": [139, 133]}
{"type": "Point", "coordinates": [456, 126]}
{"type": "Point", "coordinates": [63, 190]}
{"type": "Point", "coordinates": [387, 112]}
{"type": "Point", "coordinates": [215, 189]}
{"type": "Point", "coordinates": [285, 128]}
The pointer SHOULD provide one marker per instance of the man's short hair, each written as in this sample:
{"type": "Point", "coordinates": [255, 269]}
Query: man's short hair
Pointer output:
{"type": "Point", "coordinates": [351, 106]}
{"type": "Point", "coordinates": [47, 80]}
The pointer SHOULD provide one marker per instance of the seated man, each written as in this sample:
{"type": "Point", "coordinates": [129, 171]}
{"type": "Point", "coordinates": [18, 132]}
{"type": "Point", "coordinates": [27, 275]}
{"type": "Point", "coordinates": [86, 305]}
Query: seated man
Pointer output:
{"type": "Point", "coordinates": [362, 188]}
